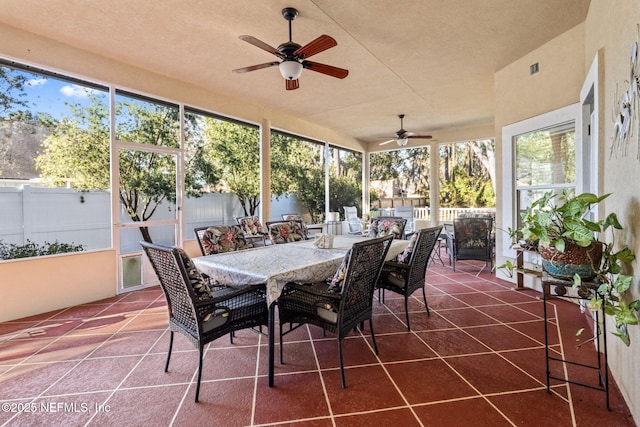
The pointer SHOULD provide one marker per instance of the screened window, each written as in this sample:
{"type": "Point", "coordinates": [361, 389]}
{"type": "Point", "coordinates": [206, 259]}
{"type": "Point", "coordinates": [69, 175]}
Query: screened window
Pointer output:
{"type": "Point", "coordinates": [467, 175]}
{"type": "Point", "coordinates": [345, 179]}
{"type": "Point", "coordinates": [54, 163]}
{"type": "Point", "coordinates": [222, 170]}
{"type": "Point", "coordinates": [399, 178]}
{"type": "Point", "coordinates": [298, 176]}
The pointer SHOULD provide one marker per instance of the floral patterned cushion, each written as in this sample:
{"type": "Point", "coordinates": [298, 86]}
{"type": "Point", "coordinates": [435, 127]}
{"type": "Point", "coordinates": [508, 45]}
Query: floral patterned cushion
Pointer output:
{"type": "Point", "coordinates": [200, 287]}
{"type": "Point", "coordinates": [251, 225]}
{"type": "Point", "coordinates": [473, 233]}
{"type": "Point", "coordinates": [384, 228]}
{"type": "Point", "coordinates": [335, 286]}
{"type": "Point", "coordinates": [405, 256]}
{"type": "Point", "coordinates": [285, 232]}
{"type": "Point", "coordinates": [297, 219]}
{"type": "Point", "coordinates": [224, 238]}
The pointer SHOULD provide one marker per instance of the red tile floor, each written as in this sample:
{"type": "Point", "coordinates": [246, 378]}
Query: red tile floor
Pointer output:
{"type": "Point", "coordinates": [478, 360]}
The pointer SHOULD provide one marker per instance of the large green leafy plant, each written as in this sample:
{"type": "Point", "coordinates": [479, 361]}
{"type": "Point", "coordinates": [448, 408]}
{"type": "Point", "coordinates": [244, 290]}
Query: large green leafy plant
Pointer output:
{"type": "Point", "coordinates": [565, 223]}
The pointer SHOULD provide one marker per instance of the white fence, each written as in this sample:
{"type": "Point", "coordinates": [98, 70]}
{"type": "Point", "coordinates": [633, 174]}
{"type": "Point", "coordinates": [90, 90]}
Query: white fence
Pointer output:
{"type": "Point", "coordinates": [69, 216]}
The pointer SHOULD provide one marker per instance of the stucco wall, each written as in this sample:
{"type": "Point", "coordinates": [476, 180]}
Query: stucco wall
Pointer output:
{"type": "Point", "coordinates": [611, 28]}
{"type": "Point", "coordinates": [520, 95]}
{"type": "Point", "coordinates": [39, 285]}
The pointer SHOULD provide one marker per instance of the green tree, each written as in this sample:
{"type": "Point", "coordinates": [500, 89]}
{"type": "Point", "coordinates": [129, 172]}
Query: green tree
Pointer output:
{"type": "Point", "coordinates": [297, 166]}
{"type": "Point", "coordinates": [12, 94]}
{"type": "Point", "coordinates": [77, 153]}
{"type": "Point", "coordinates": [234, 152]}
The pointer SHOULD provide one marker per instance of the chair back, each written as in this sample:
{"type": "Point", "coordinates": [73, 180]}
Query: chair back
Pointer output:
{"type": "Point", "coordinates": [296, 217]}
{"type": "Point", "coordinates": [169, 265]}
{"type": "Point", "coordinates": [286, 231]}
{"type": "Point", "coordinates": [384, 225]}
{"type": "Point", "coordinates": [251, 226]}
{"type": "Point", "coordinates": [351, 216]}
{"type": "Point", "coordinates": [425, 242]}
{"type": "Point", "coordinates": [472, 238]}
{"type": "Point", "coordinates": [406, 212]}
{"type": "Point", "coordinates": [363, 270]}
{"type": "Point", "coordinates": [220, 238]}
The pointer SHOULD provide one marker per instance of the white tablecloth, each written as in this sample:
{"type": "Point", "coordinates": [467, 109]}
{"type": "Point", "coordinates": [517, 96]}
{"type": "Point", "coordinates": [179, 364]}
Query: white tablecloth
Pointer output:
{"type": "Point", "coordinates": [276, 265]}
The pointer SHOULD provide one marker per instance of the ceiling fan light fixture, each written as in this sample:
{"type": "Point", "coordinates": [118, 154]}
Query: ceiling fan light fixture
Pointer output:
{"type": "Point", "coordinates": [402, 141]}
{"type": "Point", "coordinates": [290, 70]}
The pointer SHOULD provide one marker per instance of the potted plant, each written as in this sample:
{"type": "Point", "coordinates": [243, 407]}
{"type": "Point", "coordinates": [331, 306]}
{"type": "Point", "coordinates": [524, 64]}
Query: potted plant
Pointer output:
{"type": "Point", "coordinates": [572, 247]}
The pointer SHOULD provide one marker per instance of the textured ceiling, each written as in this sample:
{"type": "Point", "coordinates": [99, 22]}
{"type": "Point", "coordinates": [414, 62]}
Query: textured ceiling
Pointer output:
{"type": "Point", "coordinates": [432, 60]}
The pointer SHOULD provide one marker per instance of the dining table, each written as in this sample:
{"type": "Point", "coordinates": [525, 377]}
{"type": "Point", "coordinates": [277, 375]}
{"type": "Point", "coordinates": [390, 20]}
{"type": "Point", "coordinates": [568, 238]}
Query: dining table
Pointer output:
{"type": "Point", "coordinates": [277, 265]}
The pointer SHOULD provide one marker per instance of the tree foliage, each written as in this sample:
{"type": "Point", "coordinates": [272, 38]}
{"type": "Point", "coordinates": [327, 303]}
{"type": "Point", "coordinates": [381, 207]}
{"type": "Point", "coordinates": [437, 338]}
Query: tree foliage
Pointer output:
{"type": "Point", "coordinates": [234, 152]}
{"type": "Point", "coordinates": [465, 179]}
{"type": "Point", "coordinates": [77, 153]}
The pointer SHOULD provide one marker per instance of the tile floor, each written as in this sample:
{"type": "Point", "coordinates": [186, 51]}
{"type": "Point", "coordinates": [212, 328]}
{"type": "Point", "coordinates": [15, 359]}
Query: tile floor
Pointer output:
{"type": "Point", "coordinates": [478, 360]}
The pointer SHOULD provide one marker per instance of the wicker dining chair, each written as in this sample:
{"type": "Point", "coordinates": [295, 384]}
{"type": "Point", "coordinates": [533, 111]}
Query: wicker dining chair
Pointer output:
{"type": "Point", "coordinates": [285, 231]}
{"type": "Point", "coordinates": [342, 305]}
{"type": "Point", "coordinates": [253, 230]}
{"type": "Point", "coordinates": [220, 238]}
{"type": "Point", "coordinates": [197, 312]}
{"type": "Point", "coordinates": [406, 274]}
{"type": "Point", "coordinates": [383, 225]}
{"type": "Point", "coordinates": [471, 239]}
{"type": "Point", "coordinates": [298, 218]}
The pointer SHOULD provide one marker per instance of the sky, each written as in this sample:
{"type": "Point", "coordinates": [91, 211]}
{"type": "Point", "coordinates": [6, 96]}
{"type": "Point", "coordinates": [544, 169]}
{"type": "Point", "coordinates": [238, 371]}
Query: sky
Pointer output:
{"type": "Point", "coordinates": [50, 95]}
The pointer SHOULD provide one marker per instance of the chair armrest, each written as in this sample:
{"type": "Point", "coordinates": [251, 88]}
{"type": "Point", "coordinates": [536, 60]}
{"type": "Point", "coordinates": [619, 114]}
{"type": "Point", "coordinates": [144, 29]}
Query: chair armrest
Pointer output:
{"type": "Point", "coordinates": [396, 265]}
{"type": "Point", "coordinates": [226, 294]}
{"type": "Point", "coordinates": [316, 288]}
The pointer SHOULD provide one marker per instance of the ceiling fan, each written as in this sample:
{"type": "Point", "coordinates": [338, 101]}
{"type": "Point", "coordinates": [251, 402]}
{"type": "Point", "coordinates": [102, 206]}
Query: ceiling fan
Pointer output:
{"type": "Point", "coordinates": [294, 56]}
{"type": "Point", "coordinates": [402, 136]}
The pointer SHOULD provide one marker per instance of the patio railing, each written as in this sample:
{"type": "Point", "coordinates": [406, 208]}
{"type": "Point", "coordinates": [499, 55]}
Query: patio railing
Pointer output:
{"type": "Point", "coordinates": [449, 214]}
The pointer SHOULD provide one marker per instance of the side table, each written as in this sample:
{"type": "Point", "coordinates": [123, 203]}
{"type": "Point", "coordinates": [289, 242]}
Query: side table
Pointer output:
{"type": "Point", "coordinates": [559, 290]}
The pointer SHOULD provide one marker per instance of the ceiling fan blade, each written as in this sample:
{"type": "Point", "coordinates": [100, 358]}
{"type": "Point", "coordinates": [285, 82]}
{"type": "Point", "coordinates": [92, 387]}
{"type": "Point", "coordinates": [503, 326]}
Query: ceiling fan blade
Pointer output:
{"type": "Point", "coordinates": [318, 45]}
{"type": "Point", "coordinates": [262, 45]}
{"type": "Point", "coordinates": [387, 142]}
{"type": "Point", "coordinates": [292, 84]}
{"type": "Point", "coordinates": [420, 136]}
{"type": "Point", "coordinates": [329, 70]}
{"type": "Point", "coordinates": [256, 67]}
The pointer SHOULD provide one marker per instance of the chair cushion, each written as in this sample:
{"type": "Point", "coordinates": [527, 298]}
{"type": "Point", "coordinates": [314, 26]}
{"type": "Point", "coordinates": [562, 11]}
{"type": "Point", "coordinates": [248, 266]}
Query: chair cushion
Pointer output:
{"type": "Point", "coordinates": [285, 232]}
{"type": "Point", "coordinates": [472, 233]}
{"type": "Point", "coordinates": [251, 225]}
{"type": "Point", "coordinates": [405, 256]}
{"type": "Point", "coordinates": [200, 287]}
{"type": "Point", "coordinates": [396, 279]}
{"type": "Point", "coordinates": [223, 239]}
{"type": "Point", "coordinates": [327, 312]}
{"type": "Point", "coordinates": [214, 320]}
{"type": "Point", "coordinates": [384, 228]}
{"type": "Point", "coordinates": [335, 286]}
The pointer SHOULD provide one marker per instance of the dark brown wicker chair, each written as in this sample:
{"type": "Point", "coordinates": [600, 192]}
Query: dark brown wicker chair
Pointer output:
{"type": "Point", "coordinates": [340, 310]}
{"type": "Point", "coordinates": [407, 273]}
{"type": "Point", "coordinates": [470, 239]}
{"type": "Point", "coordinates": [195, 311]}
{"type": "Point", "coordinates": [210, 241]}
{"type": "Point", "coordinates": [286, 231]}
{"type": "Point", "coordinates": [254, 232]}
{"type": "Point", "coordinates": [383, 225]}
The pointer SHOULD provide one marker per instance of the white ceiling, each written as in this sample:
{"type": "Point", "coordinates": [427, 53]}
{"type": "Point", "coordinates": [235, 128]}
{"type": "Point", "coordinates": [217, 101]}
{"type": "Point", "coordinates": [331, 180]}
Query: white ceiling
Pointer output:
{"type": "Point", "coordinates": [433, 60]}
